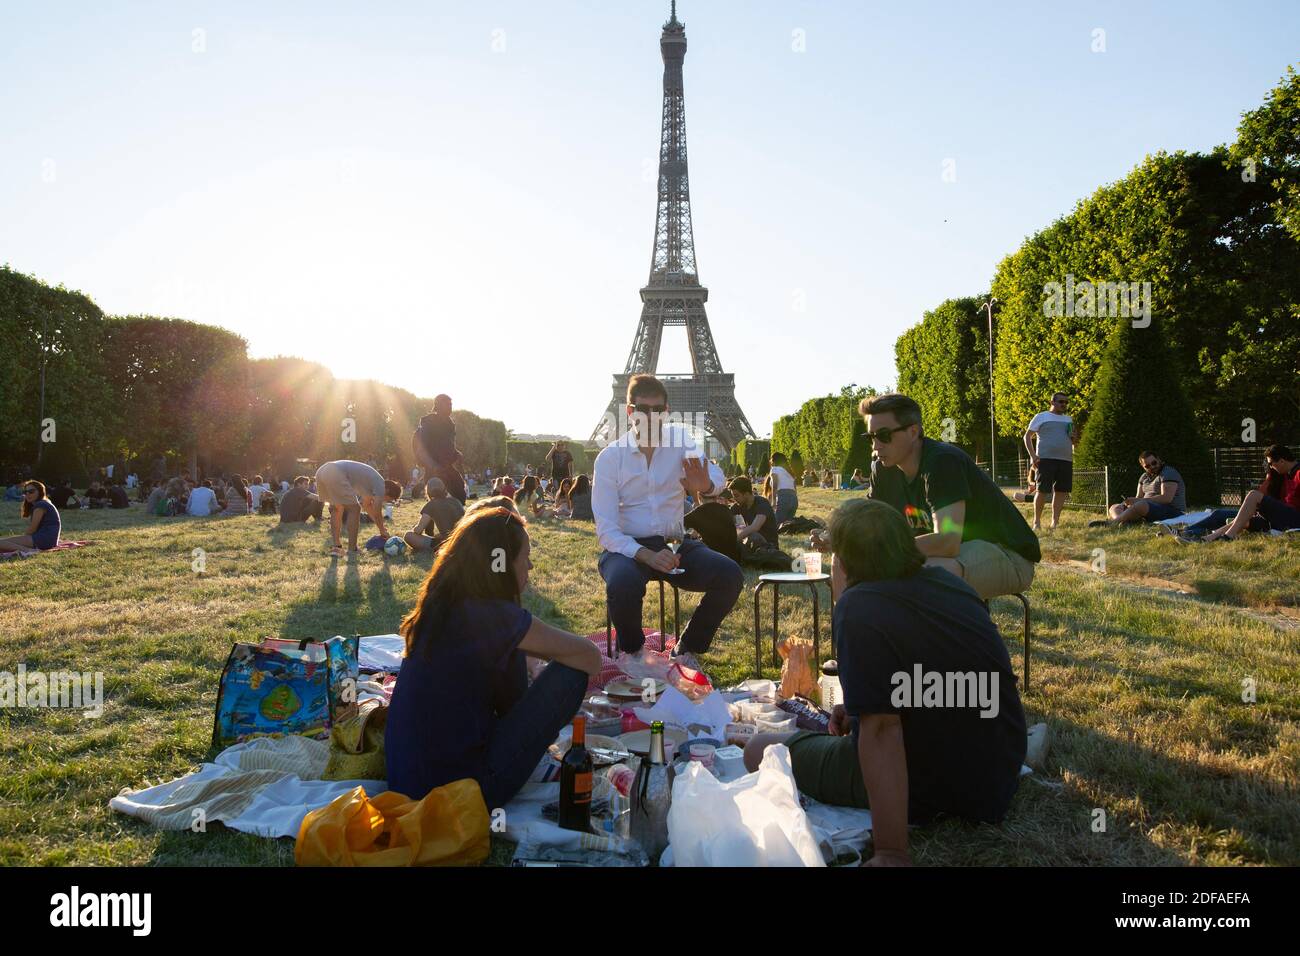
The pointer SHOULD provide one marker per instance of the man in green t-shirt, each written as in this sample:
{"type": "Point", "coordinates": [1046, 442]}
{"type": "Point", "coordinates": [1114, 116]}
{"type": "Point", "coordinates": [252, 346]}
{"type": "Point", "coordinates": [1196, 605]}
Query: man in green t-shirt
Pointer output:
{"type": "Point", "coordinates": [961, 519]}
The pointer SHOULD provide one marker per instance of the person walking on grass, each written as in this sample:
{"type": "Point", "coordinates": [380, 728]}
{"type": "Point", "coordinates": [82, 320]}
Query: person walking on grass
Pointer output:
{"type": "Point", "coordinates": [350, 486]}
{"type": "Point", "coordinates": [1050, 439]}
{"type": "Point", "coordinates": [43, 522]}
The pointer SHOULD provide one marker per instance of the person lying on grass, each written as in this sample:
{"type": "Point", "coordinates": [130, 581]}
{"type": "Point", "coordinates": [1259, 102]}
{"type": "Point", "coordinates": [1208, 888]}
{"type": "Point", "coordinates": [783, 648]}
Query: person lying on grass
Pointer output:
{"type": "Point", "coordinates": [931, 722]}
{"type": "Point", "coordinates": [43, 522]}
{"type": "Point", "coordinates": [1276, 501]}
{"type": "Point", "coordinates": [463, 706]}
{"type": "Point", "coordinates": [438, 517]}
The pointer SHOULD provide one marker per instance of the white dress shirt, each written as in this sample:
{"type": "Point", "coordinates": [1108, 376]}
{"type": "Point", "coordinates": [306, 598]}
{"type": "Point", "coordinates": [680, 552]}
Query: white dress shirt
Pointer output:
{"type": "Point", "coordinates": [631, 500]}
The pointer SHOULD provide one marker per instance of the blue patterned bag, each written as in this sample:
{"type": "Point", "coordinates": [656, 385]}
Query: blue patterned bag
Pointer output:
{"type": "Point", "coordinates": [286, 687]}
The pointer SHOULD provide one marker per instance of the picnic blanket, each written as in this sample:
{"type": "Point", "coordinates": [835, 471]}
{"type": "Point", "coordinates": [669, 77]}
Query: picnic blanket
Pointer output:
{"type": "Point", "coordinates": [32, 552]}
{"type": "Point", "coordinates": [656, 645]}
{"type": "Point", "coordinates": [1196, 516]}
{"type": "Point", "coordinates": [265, 786]}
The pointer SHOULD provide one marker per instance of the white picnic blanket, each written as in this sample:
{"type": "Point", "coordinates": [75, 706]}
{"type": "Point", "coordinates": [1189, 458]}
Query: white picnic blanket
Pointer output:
{"type": "Point", "coordinates": [382, 652]}
{"type": "Point", "coordinates": [265, 786]}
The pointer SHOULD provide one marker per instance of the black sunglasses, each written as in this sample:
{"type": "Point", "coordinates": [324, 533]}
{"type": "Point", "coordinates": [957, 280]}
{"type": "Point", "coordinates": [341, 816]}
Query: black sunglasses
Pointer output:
{"type": "Point", "coordinates": [651, 409]}
{"type": "Point", "coordinates": [885, 434]}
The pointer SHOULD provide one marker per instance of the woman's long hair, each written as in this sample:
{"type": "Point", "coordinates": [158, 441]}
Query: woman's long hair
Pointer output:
{"type": "Point", "coordinates": [529, 487]}
{"type": "Point", "coordinates": [468, 567]}
{"type": "Point", "coordinates": [581, 486]}
{"type": "Point", "coordinates": [237, 483]}
{"type": "Point", "coordinates": [566, 489]}
{"type": "Point", "coordinates": [40, 493]}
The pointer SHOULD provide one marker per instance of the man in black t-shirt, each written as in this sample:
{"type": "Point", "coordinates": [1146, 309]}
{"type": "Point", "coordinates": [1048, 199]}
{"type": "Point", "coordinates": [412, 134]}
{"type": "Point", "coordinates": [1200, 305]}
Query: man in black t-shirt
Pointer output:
{"type": "Point", "coordinates": [434, 445]}
{"type": "Point", "coordinates": [962, 520]}
{"type": "Point", "coordinates": [561, 460]}
{"type": "Point", "coordinates": [760, 528]}
{"type": "Point", "coordinates": [716, 526]}
{"type": "Point", "coordinates": [931, 722]}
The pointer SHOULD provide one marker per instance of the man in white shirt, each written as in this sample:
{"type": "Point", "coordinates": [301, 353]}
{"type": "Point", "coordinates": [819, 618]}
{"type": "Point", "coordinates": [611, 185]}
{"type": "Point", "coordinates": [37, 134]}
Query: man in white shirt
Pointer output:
{"type": "Point", "coordinates": [1051, 438]}
{"type": "Point", "coordinates": [783, 487]}
{"type": "Point", "coordinates": [637, 496]}
{"type": "Point", "coordinates": [256, 490]}
{"type": "Point", "coordinates": [202, 501]}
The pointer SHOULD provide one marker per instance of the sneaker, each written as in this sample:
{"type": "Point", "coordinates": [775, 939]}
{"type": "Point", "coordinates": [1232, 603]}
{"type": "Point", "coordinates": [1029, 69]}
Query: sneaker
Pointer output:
{"type": "Point", "coordinates": [686, 659]}
{"type": "Point", "coordinates": [1099, 523]}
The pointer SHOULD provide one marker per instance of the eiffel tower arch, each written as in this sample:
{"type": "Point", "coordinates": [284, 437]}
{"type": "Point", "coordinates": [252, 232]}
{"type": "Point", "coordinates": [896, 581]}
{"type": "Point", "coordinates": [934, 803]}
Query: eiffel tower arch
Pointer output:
{"type": "Point", "coordinates": [673, 296]}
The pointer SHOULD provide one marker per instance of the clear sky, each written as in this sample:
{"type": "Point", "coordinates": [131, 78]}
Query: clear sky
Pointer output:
{"type": "Point", "coordinates": [459, 197]}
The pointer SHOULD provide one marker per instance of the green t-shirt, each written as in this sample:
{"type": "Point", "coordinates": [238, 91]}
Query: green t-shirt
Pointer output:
{"type": "Point", "coordinates": [948, 475]}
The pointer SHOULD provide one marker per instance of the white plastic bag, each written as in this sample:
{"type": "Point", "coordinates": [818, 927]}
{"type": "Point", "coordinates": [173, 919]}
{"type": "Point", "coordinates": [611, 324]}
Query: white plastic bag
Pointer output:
{"type": "Point", "coordinates": [753, 821]}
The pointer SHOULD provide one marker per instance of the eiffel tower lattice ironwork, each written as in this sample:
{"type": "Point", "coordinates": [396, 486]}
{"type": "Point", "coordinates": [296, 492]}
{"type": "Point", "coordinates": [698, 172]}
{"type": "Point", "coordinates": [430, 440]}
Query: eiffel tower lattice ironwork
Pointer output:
{"type": "Point", "coordinates": [674, 296]}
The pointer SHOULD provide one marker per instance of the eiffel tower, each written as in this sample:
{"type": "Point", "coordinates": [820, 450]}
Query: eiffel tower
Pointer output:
{"type": "Point", "coordinates": [674, 296]}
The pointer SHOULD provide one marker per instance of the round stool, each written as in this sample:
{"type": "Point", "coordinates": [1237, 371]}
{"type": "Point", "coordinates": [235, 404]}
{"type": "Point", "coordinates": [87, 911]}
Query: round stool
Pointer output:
{"type": "Point", "coordinates": [776, 579]}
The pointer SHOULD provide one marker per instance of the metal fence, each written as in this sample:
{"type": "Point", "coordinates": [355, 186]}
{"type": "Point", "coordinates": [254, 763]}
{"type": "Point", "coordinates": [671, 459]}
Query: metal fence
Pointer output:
{"type": "Point", "coordinates": [1236, 471]}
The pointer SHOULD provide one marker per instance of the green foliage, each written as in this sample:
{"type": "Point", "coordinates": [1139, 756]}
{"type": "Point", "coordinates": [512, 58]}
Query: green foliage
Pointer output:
{"type": "Point", "coordinates": [136, 388]}
{"type": "Point", "coordinates": [1225, 283]}
{"type": "Point", "coordinates": [65, 329]}
{"type": "Point", "coordinates": [1267, 151]}
{"type": "Point", "coordinates": [943, 364]}
{"type": "Point", "coordinates": [1138, 406]}
{"type": "Point", "coordinates": [751, 453]}
{"type": "Point", "coordinates": [821, 431]}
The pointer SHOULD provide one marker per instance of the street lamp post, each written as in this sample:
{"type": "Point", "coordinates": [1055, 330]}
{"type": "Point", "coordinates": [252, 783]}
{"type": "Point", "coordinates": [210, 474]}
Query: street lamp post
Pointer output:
{"type": "Point", "coordinates": [993, 428]}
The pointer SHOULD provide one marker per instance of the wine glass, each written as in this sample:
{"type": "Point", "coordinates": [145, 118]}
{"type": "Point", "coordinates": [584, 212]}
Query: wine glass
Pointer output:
{"type": "Point", "coordinates": [674, 531]}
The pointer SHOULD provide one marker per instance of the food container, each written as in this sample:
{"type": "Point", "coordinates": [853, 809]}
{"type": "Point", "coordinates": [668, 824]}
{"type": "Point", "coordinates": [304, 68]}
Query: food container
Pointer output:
{"type": "Point", "coordinates": [740, 734]}
{"type": "Point", "coordinates": [777, 725]}
{"type": "Point", "coordinates": [703, 754]}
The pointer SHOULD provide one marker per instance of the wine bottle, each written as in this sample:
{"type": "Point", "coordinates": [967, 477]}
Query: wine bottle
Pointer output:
{"type": "Point", "coordinates": [652, 793]}
{"type": "Point", "coordinates": [575, 781]}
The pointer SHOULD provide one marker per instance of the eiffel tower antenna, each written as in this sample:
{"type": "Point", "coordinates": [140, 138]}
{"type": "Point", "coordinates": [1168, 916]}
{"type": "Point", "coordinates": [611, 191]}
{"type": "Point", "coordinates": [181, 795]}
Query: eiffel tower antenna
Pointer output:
{"type": "Point", "coordinates": [673, 295]}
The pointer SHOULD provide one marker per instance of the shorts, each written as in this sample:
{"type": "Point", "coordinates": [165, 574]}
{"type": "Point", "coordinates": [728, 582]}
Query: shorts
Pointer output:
{"type": "Point", "coordinates": [333, 487]}
{"type": "Point", "coordinates": [1157, 511]}
{"type": "Point", "coordinates": [826, 768]}
{"type": "Point", "coordinates": [992, 569]}
{"type": "Point", "coordinates": [1279, 515]}
{"type": "Point", "coordinates": [1055, 474]}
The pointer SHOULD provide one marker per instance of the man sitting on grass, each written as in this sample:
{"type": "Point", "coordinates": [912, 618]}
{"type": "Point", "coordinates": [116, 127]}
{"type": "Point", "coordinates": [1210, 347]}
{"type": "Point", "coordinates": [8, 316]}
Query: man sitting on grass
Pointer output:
{"type": "Point", "coordinates": [438, 517]}
{"type": "Point", "coordinates": [931, 722]}
{"type": "Point", "coordinates": [1160, 495]}
{"type": "Point", "coordinates": [759, 531]}
{"type": "Point", "coordinates": [299, 504]}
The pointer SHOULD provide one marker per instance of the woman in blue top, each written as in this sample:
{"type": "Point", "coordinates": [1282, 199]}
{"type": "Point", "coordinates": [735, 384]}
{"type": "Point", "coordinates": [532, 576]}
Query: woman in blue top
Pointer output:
{"type": "Point", "coordinates": [463, 706]}
{"type": "Point", "coordinates": [43, 528]}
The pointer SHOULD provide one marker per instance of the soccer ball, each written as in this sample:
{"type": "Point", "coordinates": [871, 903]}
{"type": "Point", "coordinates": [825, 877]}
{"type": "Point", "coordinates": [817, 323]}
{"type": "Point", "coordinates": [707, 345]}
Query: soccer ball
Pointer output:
{"type": "Point", "coordinates": [394, 546]}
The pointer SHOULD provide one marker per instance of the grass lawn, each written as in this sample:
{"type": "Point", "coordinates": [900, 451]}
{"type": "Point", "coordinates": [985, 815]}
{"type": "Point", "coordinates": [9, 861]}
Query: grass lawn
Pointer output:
{"type": "Point", "coordinates": [1141, 686]}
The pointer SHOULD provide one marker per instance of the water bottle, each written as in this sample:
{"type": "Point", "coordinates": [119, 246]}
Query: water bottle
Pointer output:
{"type": "Point", "coordinates": [830, 685]}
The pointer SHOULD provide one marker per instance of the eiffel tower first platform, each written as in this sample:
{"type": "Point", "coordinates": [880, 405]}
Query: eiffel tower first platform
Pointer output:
{"type": "Point", "coordinates": [674, 296]}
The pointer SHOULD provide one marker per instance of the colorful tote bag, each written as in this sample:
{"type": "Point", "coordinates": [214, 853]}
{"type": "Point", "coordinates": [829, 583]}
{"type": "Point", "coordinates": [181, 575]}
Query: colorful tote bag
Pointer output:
{"type": "Point", "coordinates": [285, 687]}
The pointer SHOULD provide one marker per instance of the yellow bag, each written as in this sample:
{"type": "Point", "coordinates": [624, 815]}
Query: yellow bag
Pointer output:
{"type": "Point", "coordinates": [449, 827]}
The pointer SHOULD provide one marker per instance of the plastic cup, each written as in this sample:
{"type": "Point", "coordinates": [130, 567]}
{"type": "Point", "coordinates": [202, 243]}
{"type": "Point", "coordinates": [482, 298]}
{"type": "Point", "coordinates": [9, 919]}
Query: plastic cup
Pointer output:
{"type": "Point", "coordinates": [703, 754]}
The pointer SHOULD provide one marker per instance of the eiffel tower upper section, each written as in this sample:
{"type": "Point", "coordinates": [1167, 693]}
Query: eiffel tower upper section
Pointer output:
{"type": "Point", "coordinates": [673, 295]}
